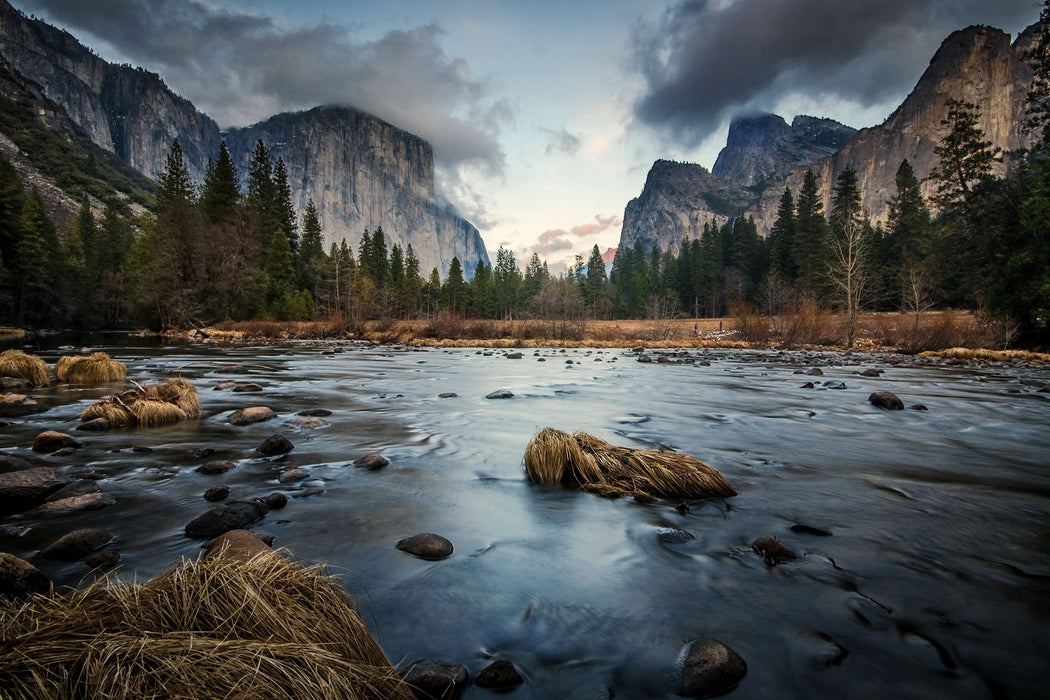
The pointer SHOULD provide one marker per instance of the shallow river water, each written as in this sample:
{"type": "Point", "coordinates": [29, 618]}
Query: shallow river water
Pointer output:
{"type": "Point", "coordinates": [933, 581]}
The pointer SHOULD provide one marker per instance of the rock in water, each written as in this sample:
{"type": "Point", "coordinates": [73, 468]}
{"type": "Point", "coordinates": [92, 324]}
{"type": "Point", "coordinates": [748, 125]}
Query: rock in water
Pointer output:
{"type": "Point", "coordinates": [76, 544]}
{"type": "Point", "coordinates": [275, 445]}
{"type": "Point", "coordinates": [372, 461]}
{"type": "Point", "coordinates": [52, 441]}
{"type": "Point", "coordinates": [234, 515]}
{"type": "Point", "coordinates": [431, 678]}
{"type": "Point", "coordinates": [499, 675]}
{"type": "Point", "coordinates": [426, 545]}
{"type": "Point", "coordinates": [709, 667]}
{"type": "Point", "coordinates": [252, 414]}
{"type": "Point", "coordinates": [887, 400]}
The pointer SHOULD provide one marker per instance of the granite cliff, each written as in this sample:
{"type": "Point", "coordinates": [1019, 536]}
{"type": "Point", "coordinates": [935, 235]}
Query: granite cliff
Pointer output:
{"type": "Point", "coordinates": [763, 148]}
{"type": "Point", "coordinates": [978, 64]}
{"type": "Point", "coordinates": [360, 171]}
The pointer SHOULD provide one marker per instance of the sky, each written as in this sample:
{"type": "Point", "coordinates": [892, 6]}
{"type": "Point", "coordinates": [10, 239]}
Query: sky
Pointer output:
{"type": "Point", "coordinates": [544, 115]}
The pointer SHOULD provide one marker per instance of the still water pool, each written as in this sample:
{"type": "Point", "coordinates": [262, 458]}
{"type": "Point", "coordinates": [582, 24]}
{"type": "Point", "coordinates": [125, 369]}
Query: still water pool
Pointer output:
{"type": "Point", "coordinates": [931, 580]}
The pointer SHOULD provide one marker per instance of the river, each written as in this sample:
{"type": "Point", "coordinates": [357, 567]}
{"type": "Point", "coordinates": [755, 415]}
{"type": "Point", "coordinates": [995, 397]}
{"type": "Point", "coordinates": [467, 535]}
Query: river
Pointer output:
{"type": "Point", "coordinates": [922, 535]}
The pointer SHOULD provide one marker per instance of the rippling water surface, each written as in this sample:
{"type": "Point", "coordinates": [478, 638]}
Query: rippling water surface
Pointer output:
{"type": "Point", "coordinates": [934, 580]}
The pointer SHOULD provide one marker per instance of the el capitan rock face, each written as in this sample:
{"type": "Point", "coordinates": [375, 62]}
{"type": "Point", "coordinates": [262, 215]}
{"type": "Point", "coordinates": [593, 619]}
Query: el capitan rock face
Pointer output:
{"type": "Point", "coordinates": [360, 171]}
{"type": "Point", "coordinates": [978, 64]}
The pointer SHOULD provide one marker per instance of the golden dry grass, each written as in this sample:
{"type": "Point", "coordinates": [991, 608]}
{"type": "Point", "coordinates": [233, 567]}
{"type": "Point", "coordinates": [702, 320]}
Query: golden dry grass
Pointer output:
{"type": "Point", "coordinates": [220, 627]}
{"type": "Point", "coordinates": [556, 457]}
{"type": "Point", "coordinates": [15, 363]}
{"type": "Point", "coordinates": [95, 368]}
{"type": "Point", "coordinates": [160, 404]}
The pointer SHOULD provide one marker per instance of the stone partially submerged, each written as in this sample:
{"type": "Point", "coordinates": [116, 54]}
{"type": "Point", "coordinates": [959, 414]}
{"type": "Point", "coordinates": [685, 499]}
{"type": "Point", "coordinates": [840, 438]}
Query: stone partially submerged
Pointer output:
{"type": "Point", "coordinates": [556, 457]}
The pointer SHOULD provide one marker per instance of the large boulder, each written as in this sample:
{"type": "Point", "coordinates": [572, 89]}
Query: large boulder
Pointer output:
{"type": "Point", "coordinates": [234, 515]}
{"type": "Point", "coordinates": [19, 578]}
{"type": "Point", "coordinates": [21, 490]}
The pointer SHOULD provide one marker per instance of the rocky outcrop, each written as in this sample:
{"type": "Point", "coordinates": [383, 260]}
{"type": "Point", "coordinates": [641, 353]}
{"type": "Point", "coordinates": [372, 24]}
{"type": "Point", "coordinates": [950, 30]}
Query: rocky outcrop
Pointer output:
{"type": "Point", "coordinates": [363, 173]}
{"type": "Point", "coordinates": [676, 203]}
{"type": "Point", "coordinates": [360, 171]}
{"type": "Point", "coordinates": [124, 110]}
{"type": "Point", "coordinates": [763, 148]}
{"type": "Point", "coordinates": [978, 64]}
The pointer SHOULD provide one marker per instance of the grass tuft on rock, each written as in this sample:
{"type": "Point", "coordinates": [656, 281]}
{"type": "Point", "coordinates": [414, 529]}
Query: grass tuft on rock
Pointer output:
{"type": "Point", "coordinates": [556, 457]}
{"type": "Point", "coordinates": [96, 368]}
{"type": "Point", "coordinates": [15, 363]}
{"type": "Point", "coordinates": [160, 404]}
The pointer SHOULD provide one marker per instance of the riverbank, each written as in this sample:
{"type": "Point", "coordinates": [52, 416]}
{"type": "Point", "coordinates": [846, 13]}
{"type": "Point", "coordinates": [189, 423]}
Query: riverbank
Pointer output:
{"type": "Point", "coordinates": [951, 335]}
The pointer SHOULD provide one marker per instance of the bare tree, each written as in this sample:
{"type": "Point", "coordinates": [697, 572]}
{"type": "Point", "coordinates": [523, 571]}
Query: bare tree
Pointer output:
{"type": "Point", "coordinates": [847, 270]}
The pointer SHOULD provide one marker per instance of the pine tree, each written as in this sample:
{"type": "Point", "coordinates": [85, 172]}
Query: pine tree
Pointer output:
{"type": "Point", "coordinates": [909, 239]}
{"type": "Point", "coordinates": [11, 198]}
{"type": "Point", "coordinates": [311, 252]}
{"type": "Point", "coordinates": [413, 281]}
{"type": "Point", "coordinates": [284, 211]}
{"type": "Point", "coordinates": [782, 238]}
{"type": "Point", "coordinates": [220, 192]}
{"type": "Point", "coordinates": [262, 194]}
{"type": "Point", "coordinates": [33, 262]}
{"type": "Point", "coordinates": [506, 280]}
{"type": "Point", "coordinates": [454, 291]}
{"type": "Point", "coordinates": [481, 288]}
{"type": "Point", "coordinates": [810, 238]}
{"type": "Point", "coordinates": [596, 280]}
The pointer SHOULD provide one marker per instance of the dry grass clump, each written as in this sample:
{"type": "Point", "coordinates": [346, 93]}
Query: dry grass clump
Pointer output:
{"type": "Point", "coordinates": [15, 363]}
{"type": "Point", "coordinates": [219, 627]}
{"type": "Point", "coordinates": [96, 368]}
{"type": "Point", "coordinates": [556, 457]}
{"type": "Point", "coordinates": [160, 404]}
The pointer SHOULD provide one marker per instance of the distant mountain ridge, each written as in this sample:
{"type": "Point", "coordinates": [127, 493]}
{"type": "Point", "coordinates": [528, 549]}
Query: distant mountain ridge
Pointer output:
{"type": "Point", "coordinates": [360, 171]}
{"type": "Point", "coordinates": [978, 64]}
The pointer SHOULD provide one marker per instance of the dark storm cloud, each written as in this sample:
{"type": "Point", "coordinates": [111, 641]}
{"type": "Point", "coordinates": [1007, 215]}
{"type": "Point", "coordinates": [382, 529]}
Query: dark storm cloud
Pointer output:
{"type": "Point", "coordinates": [240, 68]}
{"type": "Point", "coordinates": [710, 59]}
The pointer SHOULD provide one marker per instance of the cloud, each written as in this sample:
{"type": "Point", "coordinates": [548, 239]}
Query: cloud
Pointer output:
{"type": "Point", "coordinates": [710, 59]}
{"type": "Point", "coordinates": [561, 141]}
{"type": "Point", "coordinates": [240, 67]}
{"type": "Point", "coordinates": [557, 239]}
